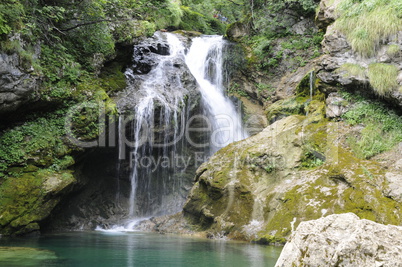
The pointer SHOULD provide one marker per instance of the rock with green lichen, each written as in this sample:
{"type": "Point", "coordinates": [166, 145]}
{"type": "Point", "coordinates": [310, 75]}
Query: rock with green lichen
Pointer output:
{"type": "Point", "coordinates": [26, 200]}
{"type": "Point", "coordinates": [261, 188]}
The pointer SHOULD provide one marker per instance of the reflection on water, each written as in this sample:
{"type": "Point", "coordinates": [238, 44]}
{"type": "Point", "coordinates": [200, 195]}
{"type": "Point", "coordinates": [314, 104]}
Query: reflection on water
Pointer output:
{"type": "Point", "coordinates": [140, 249]}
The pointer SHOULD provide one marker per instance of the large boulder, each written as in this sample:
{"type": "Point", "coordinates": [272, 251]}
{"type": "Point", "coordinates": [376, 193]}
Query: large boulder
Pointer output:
{"type": "Point", "coordinates": [343, 240]}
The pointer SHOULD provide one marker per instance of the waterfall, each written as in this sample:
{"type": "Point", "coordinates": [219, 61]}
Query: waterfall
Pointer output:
{"type": "Point", "coordinates": [155, 130]}
{"type": "Point", "coordinates": [160, 102]}
{"type": "Point", "coordinates": [205, 61]}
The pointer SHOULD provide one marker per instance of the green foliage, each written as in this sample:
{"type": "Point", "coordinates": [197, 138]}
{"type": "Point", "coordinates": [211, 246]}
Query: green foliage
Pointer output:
{"type": "Point", "coordinates": [59, 65]}
{"type": "Point", "coordinates": [130, 29]}
{"type": "Point", "coordinates": [11, 14]}
{"type": "Point", "coordinates": [38, 141]}
{"type": "Point", "coordinates": [232, 10]}
{"type": "Point", "coordinates": [366, 22]}
{"type": "Point", "coordinates": [310, 160]}
{"type": "Point", "coordinates": [383, 77]}
{"type": "Point", "coordinates": [169, 16]}
{"type": "Point", "coordinates": [382, 127]}
{"type": "Point", "coordinates": [270, 51]}
{"type": "Point", "coordinates": [235, 89]}
{"type": "Point", "coordinates": [195, 21]}
{"type": "Point", "coordinates": [265, 17]}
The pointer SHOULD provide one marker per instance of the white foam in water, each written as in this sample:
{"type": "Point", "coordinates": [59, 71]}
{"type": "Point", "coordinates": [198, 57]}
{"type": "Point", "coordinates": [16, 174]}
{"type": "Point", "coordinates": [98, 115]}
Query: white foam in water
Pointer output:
{"type": "Point", "coordinates": [130, 226]}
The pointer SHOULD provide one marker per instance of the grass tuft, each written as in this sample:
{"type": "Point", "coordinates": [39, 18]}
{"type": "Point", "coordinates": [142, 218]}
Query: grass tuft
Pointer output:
{"type": "Point", "coordinates": [393, 50]}
{"type": "Point", "coordinates": [350, 69]}
{"type": "Point", "coordinates": [383, 77]}
{"type": "Point", "coordinates": [366, 22]}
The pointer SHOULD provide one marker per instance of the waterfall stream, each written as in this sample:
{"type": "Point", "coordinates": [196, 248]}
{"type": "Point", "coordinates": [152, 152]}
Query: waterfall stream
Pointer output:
{"type": "Point", "coordinates": [161, 116]}
{"type": "Point", "coordinates": [205, 61]}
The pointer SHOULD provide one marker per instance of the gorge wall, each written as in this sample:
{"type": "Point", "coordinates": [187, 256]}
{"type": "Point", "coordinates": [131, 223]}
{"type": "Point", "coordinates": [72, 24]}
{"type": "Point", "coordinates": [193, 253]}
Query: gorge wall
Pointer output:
{"type": "Point", "coordinates": [332, 144]}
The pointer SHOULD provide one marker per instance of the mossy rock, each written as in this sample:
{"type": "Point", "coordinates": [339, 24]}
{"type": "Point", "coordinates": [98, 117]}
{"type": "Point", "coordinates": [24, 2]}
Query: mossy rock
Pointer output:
{"type": "Point", "coordinates": [286, 107]}
{"type": "Point", "coordinates": [28, 199]}
{"type": "Point", "coordinates": [234, 192]}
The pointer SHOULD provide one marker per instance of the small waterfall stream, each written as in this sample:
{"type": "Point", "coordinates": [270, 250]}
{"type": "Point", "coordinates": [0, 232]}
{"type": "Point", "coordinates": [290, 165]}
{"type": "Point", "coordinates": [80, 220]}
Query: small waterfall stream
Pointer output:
{"type": "Point", "coordinates": [160, 118]}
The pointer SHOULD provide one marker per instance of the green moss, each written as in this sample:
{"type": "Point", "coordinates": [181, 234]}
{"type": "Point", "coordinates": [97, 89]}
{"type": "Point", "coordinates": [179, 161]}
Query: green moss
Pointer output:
{"type": "Point", "coordinates": [286, 107]}
{"type": "Point", "coordinates": [24, 200]}
{"type": "Point", "coordinates": [383, 77]}
{"type": "Point", "coordinates": [113, 78]}
{"type": "Point", "coordinates": [38, 141]}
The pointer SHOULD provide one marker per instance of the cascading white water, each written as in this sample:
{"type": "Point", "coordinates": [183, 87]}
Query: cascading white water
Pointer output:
{"type": "Point", "coordinates": [161, 116]}
{"type": "Point", "coordinates": [152, 93]}
{"type": "Point", "coordinates": [205, 61]}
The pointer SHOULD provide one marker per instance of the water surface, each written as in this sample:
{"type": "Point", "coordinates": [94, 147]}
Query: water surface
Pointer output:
{"type": "Point", "coordinates": [98, 249]}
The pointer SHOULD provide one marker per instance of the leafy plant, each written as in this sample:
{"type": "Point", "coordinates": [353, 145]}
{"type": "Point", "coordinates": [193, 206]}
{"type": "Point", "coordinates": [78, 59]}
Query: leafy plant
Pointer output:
{"type": "Point", "coordinates": [310, 160]}
{"type": "Point", "coordinates": [382, 126]}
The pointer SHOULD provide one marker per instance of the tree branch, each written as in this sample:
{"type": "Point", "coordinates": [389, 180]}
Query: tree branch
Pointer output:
{"type": "Point", "coordinates": [235, 3]}
{"type": "Point", "coordinates": [85, 24]}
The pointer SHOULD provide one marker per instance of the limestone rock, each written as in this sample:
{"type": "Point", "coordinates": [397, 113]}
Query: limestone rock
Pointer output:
{"type": "Point", "coordinates": [394, 189]}
{"type": "Point", "coordinates": [294, 170]}
{"type": "Point", "coordinates": [343, 240]}
{"type": "Point", "coordinates": [336, 105]}
{"type": "Point", "coordinates": [28, 200]}
{"type": "Point", "coordinates": [237, 30]}
{"type": "Point", "coordinates": [326, 13]}
{"type": "Point", "coordinates": [17, 86]}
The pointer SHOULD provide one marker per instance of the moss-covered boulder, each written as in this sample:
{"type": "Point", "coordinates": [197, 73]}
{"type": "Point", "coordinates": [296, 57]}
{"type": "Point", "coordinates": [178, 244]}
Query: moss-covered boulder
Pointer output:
{"type": "Point", "coordinates": [295, 170]}
{"type": "Point", "coordinates": [28, 199]}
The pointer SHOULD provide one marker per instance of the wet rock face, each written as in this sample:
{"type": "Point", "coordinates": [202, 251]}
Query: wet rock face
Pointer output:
{"type": "Point", "coordinates": [17, 87]}
{"type": "Point", "coordinates": [144, 58]}
{"type": "Point", "coordinates": [343, 240]}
